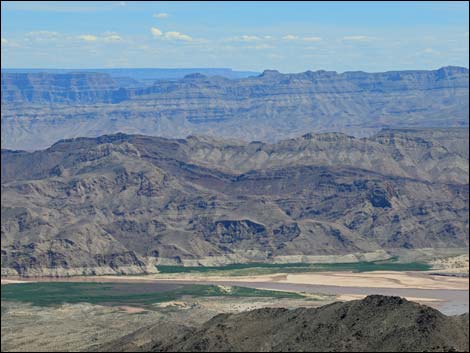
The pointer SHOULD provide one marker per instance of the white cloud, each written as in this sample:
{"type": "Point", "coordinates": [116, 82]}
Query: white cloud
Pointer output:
{"type": "Point", "coordinates": [356, 38]}
{"type": "Point", "coordinates": [172, 35]}
{"type": "Point", "coordinates": [161, 15]}
{"type": "Point", "coordinates": [261, 46]}
{"type": "Point", "coordinates": [244, 38]}
{"type": "Point", "coordinates": [249, 38]}
{"type": "Point", "coordinates": [122, 3]}
{"type": "Point", "coordinates": [177, 36]}
{"type": "Point", "coordinates": [156, 32]}
{"type": "Point", "coordinates": [4, 41]}
{"type": "Point", "coordinates": [290, 37]}
{"type": "Point", "coordinates": [311, 39]}
{"type": "Point", "coordinates": [88, 37]}
{"type": "Point", "coordinates": [42, 35]}
{"type": "Point", "coordinates": [112, 38]}
{"type": "Point", "coordinates": [306, 39]}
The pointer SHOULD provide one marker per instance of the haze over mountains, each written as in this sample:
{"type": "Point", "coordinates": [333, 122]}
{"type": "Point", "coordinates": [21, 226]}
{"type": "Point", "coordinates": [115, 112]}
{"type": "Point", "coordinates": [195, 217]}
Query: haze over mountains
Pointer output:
{"type": "Point", "coordinates": [123, 203]}
{"type": "Point", "coordinates": [144, 76]}
{"type": "Point", "coordinates": [40, 108]}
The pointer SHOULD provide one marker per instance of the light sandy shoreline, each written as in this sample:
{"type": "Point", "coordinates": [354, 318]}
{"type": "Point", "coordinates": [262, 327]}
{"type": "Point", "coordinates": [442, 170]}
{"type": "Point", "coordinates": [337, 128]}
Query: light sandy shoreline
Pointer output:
{"type": "Point", "coordinates": [376, 279]}
{"type": "Point", "coordinates": [14, 281]}
{"type": "Point", "coordinates": [450, 294]}
{"type": "Point", "coordinates": [348, 297]}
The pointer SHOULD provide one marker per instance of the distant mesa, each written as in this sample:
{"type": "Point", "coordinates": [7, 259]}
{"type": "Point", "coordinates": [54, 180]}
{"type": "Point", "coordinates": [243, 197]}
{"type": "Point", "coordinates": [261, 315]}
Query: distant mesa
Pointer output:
{"type": "Point", "coordinates": [270, 73]}
{"type": "Point", "coordinates": [39, 108]}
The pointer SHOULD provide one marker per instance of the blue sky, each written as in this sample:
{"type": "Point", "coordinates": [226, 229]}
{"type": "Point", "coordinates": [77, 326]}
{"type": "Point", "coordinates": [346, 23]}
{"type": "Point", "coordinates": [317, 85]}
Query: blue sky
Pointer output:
{"type": "Point", "coordinates": [288, 36]}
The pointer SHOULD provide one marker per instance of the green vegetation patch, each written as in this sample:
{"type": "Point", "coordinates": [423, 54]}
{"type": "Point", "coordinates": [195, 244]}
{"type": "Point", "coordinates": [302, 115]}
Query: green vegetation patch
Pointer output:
{"type": "Point", "coordinates": [264, 269]}
{"type": "Point", "coordinates": [116, 294]}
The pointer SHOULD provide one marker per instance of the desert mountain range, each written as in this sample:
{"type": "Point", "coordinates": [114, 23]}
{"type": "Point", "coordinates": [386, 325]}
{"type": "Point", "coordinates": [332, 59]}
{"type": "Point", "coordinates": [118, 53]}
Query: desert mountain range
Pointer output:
{"type": "Point", "coordinates": [123, 203]}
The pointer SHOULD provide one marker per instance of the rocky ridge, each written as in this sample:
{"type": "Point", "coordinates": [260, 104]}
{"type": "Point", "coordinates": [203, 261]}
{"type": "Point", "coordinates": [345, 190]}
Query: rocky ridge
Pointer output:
{"type": "Point", "coordinates": [123, 203]}
{"type": "Point", "coordinates": [374, 324]}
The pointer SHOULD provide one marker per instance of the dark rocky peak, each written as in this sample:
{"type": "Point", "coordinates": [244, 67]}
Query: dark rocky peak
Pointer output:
{"type": "Point", "coordinates": [151, 144]}
{"type": "Point", "coordinates": [74, 144]}
{"type": "Point", "coordinates": [382, 301]}
{"type": "Point", "coordinates": [308, 136]}
{"type": "Point", "coordinates": [374, 324]}
{"type": "Point", "coordinates": [270, 74]}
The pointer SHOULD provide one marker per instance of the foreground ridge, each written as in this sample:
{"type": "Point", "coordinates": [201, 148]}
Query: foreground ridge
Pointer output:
{"type": "Point", "coordinates": [374, 324]}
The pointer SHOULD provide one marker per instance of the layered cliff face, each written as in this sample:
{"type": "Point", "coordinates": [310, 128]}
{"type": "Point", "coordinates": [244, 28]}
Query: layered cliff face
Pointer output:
{"type": "Point", "coordinates": [43, 88]}
{"type": "Point", "coordinates": [39, 110]}
{"type": "Point", "coordinates": [122, 203]}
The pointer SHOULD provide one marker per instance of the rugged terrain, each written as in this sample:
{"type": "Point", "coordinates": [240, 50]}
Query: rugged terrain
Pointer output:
{"type": "Point", "coordinates": [374, 324]}
{"type": "Point", "coordinates": [40, 108]}
{"type": "Point", "coordinates": [377, 323]}
{"type": "Point", "coordinates": [123, 203]}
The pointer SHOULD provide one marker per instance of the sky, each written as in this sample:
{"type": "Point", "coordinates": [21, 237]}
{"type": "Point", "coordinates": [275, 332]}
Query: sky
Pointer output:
{"type": "Point", "coordinates": [286, 36]}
